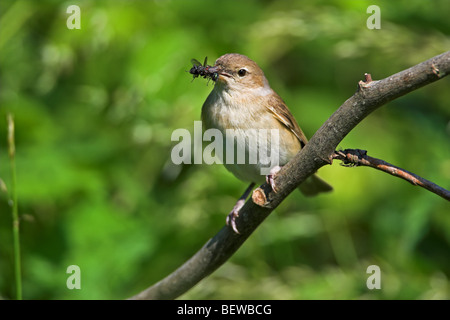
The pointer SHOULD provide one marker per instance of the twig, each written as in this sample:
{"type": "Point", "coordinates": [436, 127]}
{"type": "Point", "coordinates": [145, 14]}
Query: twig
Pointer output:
{"type": "Point", "coordinates": [318, 152]}
{"type": "Point", "coordinates": [357, 157]}
{"type": "Point", "coordinates": [15, 214]}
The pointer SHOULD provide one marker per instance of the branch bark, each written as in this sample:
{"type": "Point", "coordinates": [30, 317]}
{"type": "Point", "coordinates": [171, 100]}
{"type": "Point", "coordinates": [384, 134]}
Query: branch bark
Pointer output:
{"type": "Point", "coordinates": [318, 152]}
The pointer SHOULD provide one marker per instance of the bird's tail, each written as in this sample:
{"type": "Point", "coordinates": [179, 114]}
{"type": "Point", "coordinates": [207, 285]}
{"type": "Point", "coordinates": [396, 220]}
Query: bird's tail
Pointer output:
{"type": "Point", "coordinates": [313, 186]}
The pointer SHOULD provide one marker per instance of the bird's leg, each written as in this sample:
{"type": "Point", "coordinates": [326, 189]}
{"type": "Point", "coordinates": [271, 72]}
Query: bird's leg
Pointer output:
{"type": "Point", "coordinates": [231, 218]}
{"type": "Point", "coordinates": [269, 177]}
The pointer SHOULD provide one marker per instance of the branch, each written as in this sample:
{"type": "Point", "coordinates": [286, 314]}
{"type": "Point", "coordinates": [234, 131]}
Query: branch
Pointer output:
{"type": "Point", "coordinates": [318, 152]}
{"type": "Point", "coordinates": [356, 157]}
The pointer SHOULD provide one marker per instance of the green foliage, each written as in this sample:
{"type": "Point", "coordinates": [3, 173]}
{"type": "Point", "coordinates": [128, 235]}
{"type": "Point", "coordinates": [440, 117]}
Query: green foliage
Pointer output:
{"type": "Point", "coordinates": [95, 109]}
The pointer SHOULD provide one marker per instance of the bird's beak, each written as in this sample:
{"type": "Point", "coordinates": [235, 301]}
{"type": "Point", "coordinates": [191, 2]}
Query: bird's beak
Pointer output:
{"type": "Point", "coordinates": [221, 73]}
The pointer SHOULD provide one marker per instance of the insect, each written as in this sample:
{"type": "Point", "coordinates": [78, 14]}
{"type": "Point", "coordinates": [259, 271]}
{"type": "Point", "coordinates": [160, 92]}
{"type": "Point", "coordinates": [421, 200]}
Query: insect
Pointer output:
{"type": "Point", "coordinates": [203, 70]}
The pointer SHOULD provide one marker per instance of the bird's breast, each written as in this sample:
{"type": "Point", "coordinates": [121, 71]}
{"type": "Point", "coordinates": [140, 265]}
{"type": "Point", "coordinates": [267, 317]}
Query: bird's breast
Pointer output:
{"type": "Point", "coordinates": [250, 132]}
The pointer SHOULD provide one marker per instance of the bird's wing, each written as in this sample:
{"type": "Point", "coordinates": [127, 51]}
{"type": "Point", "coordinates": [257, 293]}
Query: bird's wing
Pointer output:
{"type": "Point", "coordinates": [282, 114]}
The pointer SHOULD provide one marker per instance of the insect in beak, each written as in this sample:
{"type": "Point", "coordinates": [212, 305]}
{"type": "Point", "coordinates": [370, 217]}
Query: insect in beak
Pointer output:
{"type": "Point", "coordinates": [204, 70]}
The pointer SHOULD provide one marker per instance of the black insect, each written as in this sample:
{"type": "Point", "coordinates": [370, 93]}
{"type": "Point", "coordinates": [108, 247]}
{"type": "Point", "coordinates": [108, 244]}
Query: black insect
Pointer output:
{"type": "Point", "coordinates": [203, 70]}
{"type": "Point", "coordinates": [198, 69]}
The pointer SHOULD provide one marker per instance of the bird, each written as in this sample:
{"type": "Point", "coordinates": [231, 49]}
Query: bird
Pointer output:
{"type": "Point", "coordinates": [243, 102]}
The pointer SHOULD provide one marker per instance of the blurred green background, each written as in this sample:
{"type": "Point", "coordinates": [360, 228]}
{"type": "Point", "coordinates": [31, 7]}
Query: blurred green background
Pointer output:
{"type": "Point", "coordinates": [95, 109]}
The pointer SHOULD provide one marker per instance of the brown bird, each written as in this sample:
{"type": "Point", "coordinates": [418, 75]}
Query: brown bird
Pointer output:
{"type": "Point", "coordinates": [242, 102]}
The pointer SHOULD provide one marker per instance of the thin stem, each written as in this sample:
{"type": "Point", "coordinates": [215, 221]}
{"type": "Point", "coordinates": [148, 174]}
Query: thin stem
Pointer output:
{"type": "Point", "coordinates": [357, 157]}
{"type": "Point", "coordinates": [15, 214]}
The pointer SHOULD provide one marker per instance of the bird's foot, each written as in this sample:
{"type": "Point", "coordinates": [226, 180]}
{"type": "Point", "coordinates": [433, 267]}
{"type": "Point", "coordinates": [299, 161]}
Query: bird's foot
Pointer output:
{"type": "Point", "coordinates": [269, 178]}
{"type": "Point", "coordinates": [231, 218]}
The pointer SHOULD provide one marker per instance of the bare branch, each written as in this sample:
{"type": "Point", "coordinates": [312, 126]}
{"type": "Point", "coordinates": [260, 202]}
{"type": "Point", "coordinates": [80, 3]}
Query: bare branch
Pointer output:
{"type": "Point", "coordinates": [356, 157]}
{"type": "Point", "coordinates": [318, 152]}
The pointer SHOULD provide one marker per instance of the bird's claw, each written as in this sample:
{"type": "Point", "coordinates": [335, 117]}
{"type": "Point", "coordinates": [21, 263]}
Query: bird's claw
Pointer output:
{"type": "Point", "coordinates": [270, 177]}
{"type": "Point", "coordinates": [231, 218]}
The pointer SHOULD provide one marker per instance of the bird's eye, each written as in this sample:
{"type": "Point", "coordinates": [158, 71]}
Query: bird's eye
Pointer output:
{"type": "Point", "coordinates": [242, 72]}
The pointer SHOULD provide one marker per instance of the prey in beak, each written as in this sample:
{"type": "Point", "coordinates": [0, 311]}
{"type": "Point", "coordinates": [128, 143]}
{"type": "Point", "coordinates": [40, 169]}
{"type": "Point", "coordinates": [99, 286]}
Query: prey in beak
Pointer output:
{"type": "Point", "coordinates": [204, 70]}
